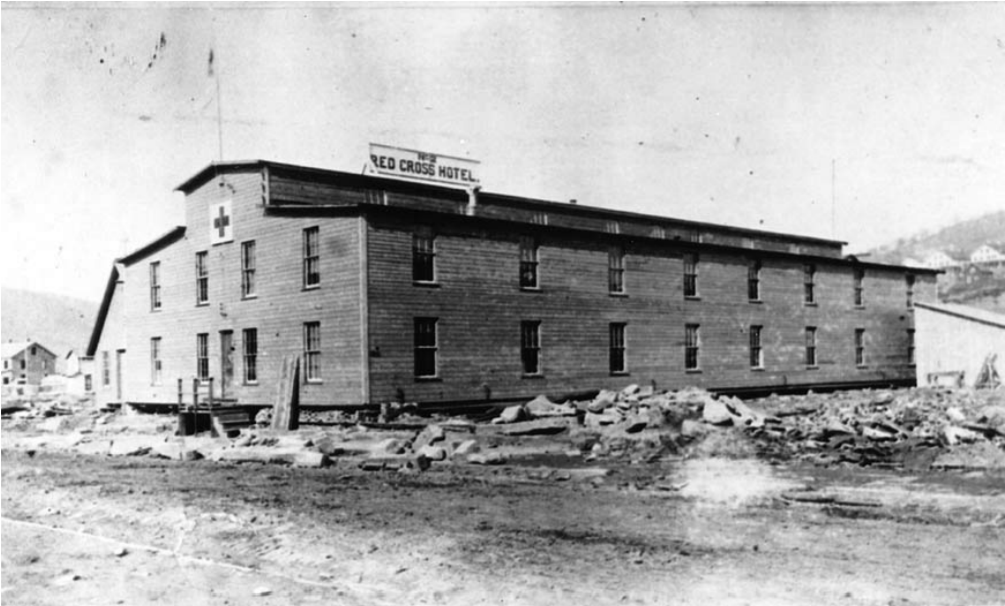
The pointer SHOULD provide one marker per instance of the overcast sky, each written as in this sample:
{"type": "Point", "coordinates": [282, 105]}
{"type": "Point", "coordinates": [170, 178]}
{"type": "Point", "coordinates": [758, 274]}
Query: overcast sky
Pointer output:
{"type": "Point", "coordinates": [727, 114]}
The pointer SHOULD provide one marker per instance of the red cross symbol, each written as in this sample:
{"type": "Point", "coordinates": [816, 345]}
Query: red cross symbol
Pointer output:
{"type": "Point", "coordinates": [221, 222]}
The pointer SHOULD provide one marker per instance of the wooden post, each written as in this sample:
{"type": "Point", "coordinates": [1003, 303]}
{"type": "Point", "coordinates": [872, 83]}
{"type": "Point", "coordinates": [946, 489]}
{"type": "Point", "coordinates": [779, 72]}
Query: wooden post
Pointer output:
{"type": "Point", "coordinates": [286, 411]}
{"type": "Point", "coordinates": [195, 406]}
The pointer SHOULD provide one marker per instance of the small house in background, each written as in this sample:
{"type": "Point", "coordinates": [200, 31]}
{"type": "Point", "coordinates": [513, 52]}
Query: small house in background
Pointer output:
{"type": "Point", "coordinates": [987, 254]}
{"type": "Point", "coordinates": [79, 373]}
{"type": "Point", "coordinates": [26, 363]}
{"type": "Point", "coordinates": [939, 260]}
{"type": "Point", "coordinates": [955, 344]}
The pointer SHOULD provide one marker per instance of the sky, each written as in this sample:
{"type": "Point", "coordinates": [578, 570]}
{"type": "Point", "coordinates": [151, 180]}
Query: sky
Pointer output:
{"type": "Point", "coordinates": [859, 122]}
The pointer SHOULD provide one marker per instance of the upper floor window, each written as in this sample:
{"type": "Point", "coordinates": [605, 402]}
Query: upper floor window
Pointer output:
{"type": "Point", "coordinates": [809, 278]}
{"type": "Point", "coordinates": [201, 278]}
{"type": "Point", "coordinates": [528, 263]}
{"type": "Point", "coordinates": [616, 270]}
{"type": "Point", "coordinates": [858, 279]}
{"type": "Point", "coordinates": [106, 369]}
{"type": "Point", "coordinates": [690, 274]}
{"type": "Point", "coordinates": [754, 280]}
{"type": "Point", "coordinates": [692, 346]}
{"type": "Point", "coordinates": [426, 348]}
{"type": "Point", "coordinates": [423, 256]}
{"type": "Point", "coordinates": [312, 257]}
{"type": "Point", "coordinates": [312, 352]}
{"type": "Point", "coordinates": [618, 362]}
{"type": "Point", "coordinates": [910, 290]}
{"type": "Point", "coordinates": [155, 285]}
{"type": "Point", "coordinates": [530, 347]}
{"type": "Point", "coordinates": [248, 269]}
{"type": "Point", "coordinates": [910, 346]}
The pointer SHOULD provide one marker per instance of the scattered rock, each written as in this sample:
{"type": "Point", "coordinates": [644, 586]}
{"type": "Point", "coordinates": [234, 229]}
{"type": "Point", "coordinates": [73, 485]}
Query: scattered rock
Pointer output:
{"type": "Point", "coordinates": [433, 453]}
{"type": "Point", "coordinates": [491, 458]}
{"type": "Point", "coordinates": [544, 426]}
{"type": "Point", "coordinates": [716, 413]}
{"type": "Point", "coordinates": [511, 414]}
{"type": "Point", "coordinates": [261, 591]}
{"type": "Point", "coordinates": [466, 447]}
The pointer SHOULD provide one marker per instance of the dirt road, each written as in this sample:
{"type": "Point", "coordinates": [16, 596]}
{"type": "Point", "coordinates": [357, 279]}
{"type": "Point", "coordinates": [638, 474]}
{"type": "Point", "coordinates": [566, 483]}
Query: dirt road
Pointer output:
{"type": "Point", "coordinates": [95, 530]}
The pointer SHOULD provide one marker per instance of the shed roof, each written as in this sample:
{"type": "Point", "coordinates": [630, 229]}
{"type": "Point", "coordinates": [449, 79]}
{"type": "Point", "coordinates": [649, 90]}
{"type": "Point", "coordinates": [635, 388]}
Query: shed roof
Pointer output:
{"type": "Point", "coordinates": [965, 312]}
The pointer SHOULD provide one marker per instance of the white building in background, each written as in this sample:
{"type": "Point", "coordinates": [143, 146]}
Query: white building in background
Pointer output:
{"type": "Point", "coordinates": [940, 260]}
{"type": "Point", "coordinates": [951, 339]}
{"type": "Point", "coordinates": [986, 254]}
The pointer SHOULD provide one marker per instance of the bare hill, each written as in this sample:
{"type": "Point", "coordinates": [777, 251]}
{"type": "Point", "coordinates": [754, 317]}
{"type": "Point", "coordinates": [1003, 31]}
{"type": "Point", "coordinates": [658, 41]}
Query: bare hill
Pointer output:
{"type": "Point", "coordinates": [957, 240]}
{"type": "Point", "coordinates": [57, 322]}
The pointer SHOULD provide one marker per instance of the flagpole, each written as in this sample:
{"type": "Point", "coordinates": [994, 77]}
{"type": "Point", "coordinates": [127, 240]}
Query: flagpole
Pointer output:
{"type": "Point", "coordinates": [219, 109]}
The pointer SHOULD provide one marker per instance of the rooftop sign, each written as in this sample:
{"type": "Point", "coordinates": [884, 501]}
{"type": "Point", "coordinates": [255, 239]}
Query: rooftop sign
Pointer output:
{"type": "Point", "coordinates": [413, 164]}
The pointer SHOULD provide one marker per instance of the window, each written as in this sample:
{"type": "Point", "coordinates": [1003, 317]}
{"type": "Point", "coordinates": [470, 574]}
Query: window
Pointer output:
{"type": "Point", "coordinates": [6, 364]}
{"type": "Point", "coordinates": [809, 275]}
{"type": "Point", "coordinates": [754, 281]}
{"type": "Point", "coordinates": [88, 383]}
{"type": "Point", "coordinates": [248, 269]}
{"type": "Point", "coordinates": [613, 227]}
{"type": "Point", "coordinates": [692, 346]}
{"type": "Point", "coordinates": [910, 291]}
{"type": "Point", "coordinates": [811, 346]}
{"type": "Point", "coordinates": [312, 258]}
{"type": "Point", "coordinates": [425, 348]}
{"type": "Point", "coordinates": [691, 274]}
{"type": "Point", "coordinates": [202, 356]}
{"type": "Point", "coordinates": [106, 369]}
{"type": "Point", "coordinates": [616, 270]}
{"type": "Point", "coordinates": [23, 363]}
{"type": "Point", "coordinates": [528, 263]}
{"type": "Point", "coordinates": [910, 346]}
{"type": "Point", "coordinates": [423, 256]}
{"type": "Point", "coordinates": [859, 347]}
{"type": "Point", "coordinates": [155, 285]}
{"type": "Point", "coordinates": [530, 347]}
{"type": "Point", "coordinates": [756, 356]}
{"type": "Point", "coordinates": [312, 351]}
{"type": "Point", "coordinates": [250, 345]}
{"type": "Point", "coordinates": [618, 363]}
{"type": "Point", "coordinates": [693, 235]}
{"type": "Point", "coordinates": [155, 361]}
{"type": "Point", "coordinates": [201, 278]}
{"type": "Point", "coordinates": [859, 277]}
{"type": "Point", "coordinates": [34, 350]}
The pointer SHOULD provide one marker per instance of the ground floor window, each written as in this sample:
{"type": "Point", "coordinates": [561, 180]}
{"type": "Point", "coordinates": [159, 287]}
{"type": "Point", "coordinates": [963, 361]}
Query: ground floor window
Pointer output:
{"type": "Point", "coordinates": [756, 356]}
{"type": "Point", "coordinates": [811, 346]}
{"type": "Point", "coordinates": [202, 356]}
{"type": "Point", "coordinates": [425, 348]}
{"type": "Point", "coordinates": [692, 344]}
{"type": "Point", "coordinates": [155, 361]}
{"type": "Point", "coordinates": [910, 346]}
{"type": "Point", "coordinates": [106, 369]}
{"type": "Point", "coordinates": [618, 362]}
{"type": "Point", "coordinates": [250, 346]}
{"type": "Point", "coordinates": [530, 347]}
{"type": "Point", "coordinates": [312, 351]}
{"type": "Point", "coordinates": [860, 347]}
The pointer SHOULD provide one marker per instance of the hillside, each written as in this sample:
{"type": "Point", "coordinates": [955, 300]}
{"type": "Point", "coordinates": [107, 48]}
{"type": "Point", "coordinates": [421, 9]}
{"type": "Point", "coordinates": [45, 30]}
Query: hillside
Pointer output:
{"type": "Point", "coordinates": [57, 322]}
{"type": "Point", "coordinates": [957, 240]}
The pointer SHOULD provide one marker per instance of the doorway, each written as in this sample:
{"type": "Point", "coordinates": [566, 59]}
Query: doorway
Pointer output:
{"type": "Point", "coordinates": [226, 362]}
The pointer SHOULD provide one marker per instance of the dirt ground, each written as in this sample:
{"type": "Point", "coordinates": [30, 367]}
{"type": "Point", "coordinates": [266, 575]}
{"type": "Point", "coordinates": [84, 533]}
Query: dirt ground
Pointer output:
{"type": "Point", "coordinates": [85, 529]}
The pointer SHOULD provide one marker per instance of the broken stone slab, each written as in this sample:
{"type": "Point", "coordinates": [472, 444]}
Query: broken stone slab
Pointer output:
{"type": "Point", "coordinates": [133, 446]}
{"type": "Point", "coordinates": [395, 462]}
{"type": "Point", "coordinates": [488, 458]}
{"type": "Point", "coordinates": [510, 414]}
{"type": "Point", "coordinates": [690, 428]}
{"type": "Point", "coordinates": [955, 415]}
{"type": "Point", "coordinates": [635, 423]}
{"type": "Point", "coordinates": [546, 426]}
{"type": "Point", "coordinates": [433, 453]}
{"type": "Point", "coordinates": [97, 447]}
{"type": "Point", "coordinates": [259, 454]}
{"type": "Point", "coordinates": [715, 412]}
{"type": "Point", "coordinates": [608, 417]}
{"type": "Point", "coordinates": [541, 406]}
{"type": "Point", "coordinates": [604, 400]}
{"type": "Point", "coordinates": [878, 433]}
{"type": "Point", "coordinates": [459, 425]}
{"type": "Point", "coordinates": [174, 451]}
{"type": "Point", "coordinates": [430, 435]}
{"type": "Point", "coordinates": [466, 448]}
{"type": "Point", "coordinates": [955, 435]}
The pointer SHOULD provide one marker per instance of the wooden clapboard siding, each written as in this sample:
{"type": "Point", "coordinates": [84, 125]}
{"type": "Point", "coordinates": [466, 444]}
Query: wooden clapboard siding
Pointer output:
{"type": "Point", "coordinates": [278, 311]}
{"type": "Point", "coordinates": [113, 338]}
{"type": "Point", "coordinates": [479, 306]}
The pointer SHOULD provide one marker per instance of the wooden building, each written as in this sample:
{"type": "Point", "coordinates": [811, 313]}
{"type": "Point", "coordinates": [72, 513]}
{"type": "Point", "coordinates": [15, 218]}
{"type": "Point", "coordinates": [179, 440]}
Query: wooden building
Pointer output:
{"type": "Point", "coordinates": [394, 290]}
{"type": "Point", "coordinates": [954, 342]}
{"type": "Point", "coordinates": [26, 363]}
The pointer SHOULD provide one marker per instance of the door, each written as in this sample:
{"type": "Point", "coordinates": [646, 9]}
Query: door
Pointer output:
{"type": "Point", "coordinates": [226, 362]}
{"type": "Point", "coordinates": [119, 354]}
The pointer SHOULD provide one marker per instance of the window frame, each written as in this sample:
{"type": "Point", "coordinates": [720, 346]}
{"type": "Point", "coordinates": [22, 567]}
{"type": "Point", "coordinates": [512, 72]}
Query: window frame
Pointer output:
{"type": "Point", "coordinates": [910, 281]}
{"type": "Point", "coordinates": [692, 347]}
{"type": "Point", "coordinates": [155, 286]}
{"type": "Point", "coordinates": [809, 284]}
{"type": "Point", "coordinates": [616, 271]}
{"type": "Point", "coordinates": [690, 272]}
{"type": "Point", "coordinates": [249, 355]}
{"type": "Point", "coordinates": [754, 280]}
{"type": "Point", "coordinates": [530, 348]}
{"type": "Point", "coordinates": [156, 364]}
{"type": "Point", "coordinates": [811, 358]}
{"type": "Point", "coordinates": [202, 356]}
{"type": "Point", "coordinates": [202, 278]}
{"type": "Point", "coordinates": [858, 288]}
{"type": "Point", "coordinates": [860, 359]}
{"type": "Point", "coordinates": [756, 347]}
{"type": "Point", "coordinates": [617, 354]}
{"type": "Point", "coordinates": [426, 351]}
{"type": "Point", "coordinates": [529, 263]}
{"type": "Point", "coordinates": [311, 257]}
{"type": "Point", "coordinates": [248, 269]}
{"type": "Point", "coordinates": [312, 352]}
{"type": "Point", "coordinates": [911, 347]}
{"type": "Point", "coordinates": [106, 369]}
